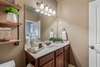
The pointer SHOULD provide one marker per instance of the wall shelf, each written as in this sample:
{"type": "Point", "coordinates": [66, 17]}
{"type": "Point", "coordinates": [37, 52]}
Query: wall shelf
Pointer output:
{"type": "Point", "coordinates": [9, 24]}
{"type": "Point", "coordinates": [9, 42]}
{"type": "Point", "coordinates": [4, 3]}
{"type": "Point", "coordinates": [6, 24]}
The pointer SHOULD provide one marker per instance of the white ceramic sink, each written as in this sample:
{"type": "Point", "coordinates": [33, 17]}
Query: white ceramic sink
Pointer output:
{"type": "Point", "coordinates": [35, 49]}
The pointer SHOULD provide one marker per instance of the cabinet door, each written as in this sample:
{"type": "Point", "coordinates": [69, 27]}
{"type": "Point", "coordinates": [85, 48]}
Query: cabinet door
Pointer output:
{"type": "Point", "coordinates": [60, 60]}
{"type": "Point", "coordinates": [47, 61]}
{"type": "Point", "coordinates": [49, 64]}
{"type": "Point", "coordinates": [67, 55]}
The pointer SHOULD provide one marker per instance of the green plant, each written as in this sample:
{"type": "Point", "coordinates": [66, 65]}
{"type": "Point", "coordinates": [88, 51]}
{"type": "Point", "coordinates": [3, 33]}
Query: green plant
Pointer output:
{"type": "Point", "coordinates": [56, 39]}
{"type": "Point", "coordinates": [11, 10]}
{"type": "Point", "coordinates": [51, 39]}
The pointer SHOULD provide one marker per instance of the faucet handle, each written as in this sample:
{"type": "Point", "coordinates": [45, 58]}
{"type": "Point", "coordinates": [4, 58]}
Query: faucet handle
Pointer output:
{"type": "Point", "coordinates": [40, 45]}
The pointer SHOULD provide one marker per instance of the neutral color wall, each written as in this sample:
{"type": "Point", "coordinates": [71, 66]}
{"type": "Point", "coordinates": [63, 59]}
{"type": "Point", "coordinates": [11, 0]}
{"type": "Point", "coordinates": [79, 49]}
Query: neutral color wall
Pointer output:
{"type": "Point", "coordinates": [75, 13]}
{"type": "Point", "coordinates": [9, 51]}
{"type": "Point", "coordinates": [72, 15]}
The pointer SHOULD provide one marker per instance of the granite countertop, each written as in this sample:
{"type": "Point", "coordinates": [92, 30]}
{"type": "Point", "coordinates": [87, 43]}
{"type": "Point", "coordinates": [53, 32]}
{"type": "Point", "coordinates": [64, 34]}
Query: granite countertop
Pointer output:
{"type": "Point", "coordinates": [47, 50]}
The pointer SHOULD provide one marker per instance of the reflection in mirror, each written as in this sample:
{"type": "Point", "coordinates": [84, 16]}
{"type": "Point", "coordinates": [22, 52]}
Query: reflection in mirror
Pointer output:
{"type": "Point", "coordinates": [35, 20]}
{"type": "Point", "coordinates": [32, 26]}
{"type": "Point", "coordinates": [32, 29]}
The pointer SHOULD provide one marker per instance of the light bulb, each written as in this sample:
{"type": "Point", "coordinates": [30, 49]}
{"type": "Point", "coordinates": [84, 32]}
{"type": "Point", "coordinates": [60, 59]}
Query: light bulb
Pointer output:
{"type": "Point", "coordinates": [50, 10]}
{"type": "Point", "coordinates": [42, 6]}
{"type": "Point", "coordinates": [42, 12]}
{"type": "Point", "coordinates": [45, 13]}
{"type": "Point", "coordinates": [37, 10]}
{"type": "Point", "coordinates": [49, 14]}
{"type": "Point", "coordinates": [54, 12]}
{"type": "Point", "coordinates": [46, 8]}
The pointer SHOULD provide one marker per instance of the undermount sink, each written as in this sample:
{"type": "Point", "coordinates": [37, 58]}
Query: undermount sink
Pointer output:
{"type": "Point", "coordinates": [35, 49]}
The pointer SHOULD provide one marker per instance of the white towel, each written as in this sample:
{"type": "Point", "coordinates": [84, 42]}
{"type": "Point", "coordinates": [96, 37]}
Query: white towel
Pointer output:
{"type": "Point", "coordinates": [8, 64]}
{"type": "Point", "coordinates": [29, 65]}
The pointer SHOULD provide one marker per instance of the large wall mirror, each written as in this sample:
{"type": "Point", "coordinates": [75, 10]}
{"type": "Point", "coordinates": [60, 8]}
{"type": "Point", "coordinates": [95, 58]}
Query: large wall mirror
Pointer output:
{"type": "Point", "coordinates": [40, 27]}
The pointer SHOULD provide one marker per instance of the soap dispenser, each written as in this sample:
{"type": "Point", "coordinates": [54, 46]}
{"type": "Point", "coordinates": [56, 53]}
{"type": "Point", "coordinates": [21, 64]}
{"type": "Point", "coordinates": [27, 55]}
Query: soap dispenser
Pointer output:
{"type": "Point", "coordinates": [64, 35]}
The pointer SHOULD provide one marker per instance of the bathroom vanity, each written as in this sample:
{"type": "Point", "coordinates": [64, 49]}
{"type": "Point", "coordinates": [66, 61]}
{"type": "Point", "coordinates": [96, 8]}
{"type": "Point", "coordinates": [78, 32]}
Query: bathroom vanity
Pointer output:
{"type": "Point", "coordinates": [55, 55]}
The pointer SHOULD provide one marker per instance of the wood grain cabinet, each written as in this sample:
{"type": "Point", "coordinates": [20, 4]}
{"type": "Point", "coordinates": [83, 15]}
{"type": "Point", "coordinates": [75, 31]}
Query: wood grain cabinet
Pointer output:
{"type": "Point", "coordinates": [48, 64]}
{"type": "Point", "coordinates": [47, 61]}
{"type": "Point", "coordinates": [58, 58]}
{"type": "Point", "coordinates": [67, 55]}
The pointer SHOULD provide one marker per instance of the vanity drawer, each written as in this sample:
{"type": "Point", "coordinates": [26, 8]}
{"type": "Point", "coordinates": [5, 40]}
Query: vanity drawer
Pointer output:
{"type": "Point", "coordinates": [59, 51]}
{"type": "Point", "coordinates": [45, 59]}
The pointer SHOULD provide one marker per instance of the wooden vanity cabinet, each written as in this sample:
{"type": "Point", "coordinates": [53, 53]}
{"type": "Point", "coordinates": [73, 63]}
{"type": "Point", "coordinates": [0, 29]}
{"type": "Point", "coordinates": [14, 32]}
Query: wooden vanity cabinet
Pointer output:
{"type": "Point", "coordinates": [58, 58]}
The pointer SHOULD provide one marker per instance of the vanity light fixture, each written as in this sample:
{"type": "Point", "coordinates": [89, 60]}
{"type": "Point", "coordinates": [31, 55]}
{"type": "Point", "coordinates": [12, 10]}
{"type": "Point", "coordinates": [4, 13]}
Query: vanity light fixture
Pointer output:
{"type": "Point", "coordinates": [43, 9]}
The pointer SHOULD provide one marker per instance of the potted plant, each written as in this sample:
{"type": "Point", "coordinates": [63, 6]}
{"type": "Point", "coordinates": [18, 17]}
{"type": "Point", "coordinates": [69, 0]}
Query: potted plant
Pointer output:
{"type": "Point", "coordinates": [55, 39]}
{"type": "Point", "coordinates": [12, 14]}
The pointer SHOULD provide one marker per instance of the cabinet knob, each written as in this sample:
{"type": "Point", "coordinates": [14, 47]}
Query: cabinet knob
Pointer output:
{"type": "Point", "coordinates": [92, 47]}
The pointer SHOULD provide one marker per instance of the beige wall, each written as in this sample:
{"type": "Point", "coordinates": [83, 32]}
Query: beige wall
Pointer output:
{"type": "Point", "coordinates": [72, 15]}
{"type": "Point", "coordinates": [10, 51]}
{"type": "Point", "coordinates": [75, 14]}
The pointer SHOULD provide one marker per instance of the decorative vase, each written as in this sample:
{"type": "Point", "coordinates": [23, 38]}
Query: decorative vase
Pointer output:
{"type": "Point", "coordinates": [12, 17]}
